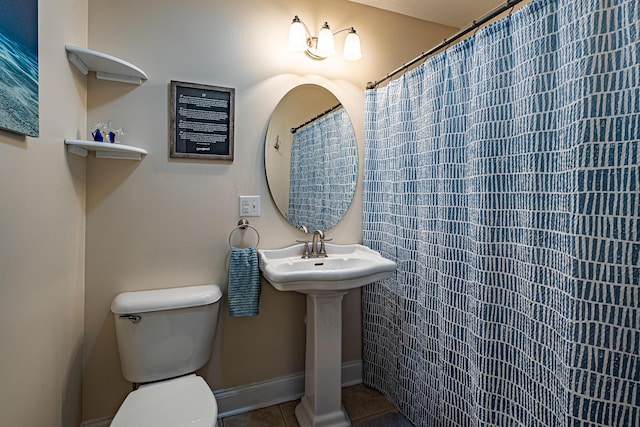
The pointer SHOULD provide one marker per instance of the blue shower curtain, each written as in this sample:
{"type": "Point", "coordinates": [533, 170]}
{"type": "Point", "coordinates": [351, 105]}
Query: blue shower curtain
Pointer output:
{"type": "Point", "coordinates": [323, 172]}
{"type": "Point", "coordinates": [503, 176]}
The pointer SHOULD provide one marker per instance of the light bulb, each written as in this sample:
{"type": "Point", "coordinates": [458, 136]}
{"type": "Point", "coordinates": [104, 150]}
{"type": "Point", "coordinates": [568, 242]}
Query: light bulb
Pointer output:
{"type": "Point", "coordinates": [352, 50]}
{"type": "Point", "coordinates": [326, 46]}
{"type": "Point", "coordinates": [297, 36]}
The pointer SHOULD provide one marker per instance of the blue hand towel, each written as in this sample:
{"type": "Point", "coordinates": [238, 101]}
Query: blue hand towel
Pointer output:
{"type": "Point", "coordinates": [243, 293]}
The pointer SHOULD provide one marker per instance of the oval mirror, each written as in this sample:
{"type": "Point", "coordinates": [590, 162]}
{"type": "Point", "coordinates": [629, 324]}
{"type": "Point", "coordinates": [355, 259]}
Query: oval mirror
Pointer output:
{"type": "Point", "coordinates": [311, 158]}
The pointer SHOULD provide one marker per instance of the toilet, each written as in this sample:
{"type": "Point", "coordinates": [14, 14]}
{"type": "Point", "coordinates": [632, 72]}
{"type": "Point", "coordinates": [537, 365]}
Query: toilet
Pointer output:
{"type": "Point", "coordinates": [163, 337]}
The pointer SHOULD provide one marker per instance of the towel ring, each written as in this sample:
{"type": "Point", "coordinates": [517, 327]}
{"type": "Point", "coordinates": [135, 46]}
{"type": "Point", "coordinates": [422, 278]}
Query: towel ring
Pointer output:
{"type": "Point", "coordinates": [242, 225]}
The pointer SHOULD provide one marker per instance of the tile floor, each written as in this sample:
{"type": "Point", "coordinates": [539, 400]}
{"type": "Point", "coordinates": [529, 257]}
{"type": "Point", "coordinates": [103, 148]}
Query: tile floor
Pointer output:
{"type": "Point", "coordinates": [360, 402]}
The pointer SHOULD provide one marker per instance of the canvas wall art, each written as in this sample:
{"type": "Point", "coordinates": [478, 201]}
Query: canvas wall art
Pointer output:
{"type": "Point", "coordinates": [19, 110]}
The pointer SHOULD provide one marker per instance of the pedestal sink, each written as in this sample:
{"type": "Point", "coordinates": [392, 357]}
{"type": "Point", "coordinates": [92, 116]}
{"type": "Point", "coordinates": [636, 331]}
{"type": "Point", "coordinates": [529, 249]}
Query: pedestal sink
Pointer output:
{"type": "Point", "coordinates": [325, 281]}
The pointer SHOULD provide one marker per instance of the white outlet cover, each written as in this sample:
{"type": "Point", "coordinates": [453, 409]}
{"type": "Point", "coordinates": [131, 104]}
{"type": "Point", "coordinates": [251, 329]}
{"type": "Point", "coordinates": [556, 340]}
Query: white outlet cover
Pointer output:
{"type": "Point", "coordinates": [249, 206]}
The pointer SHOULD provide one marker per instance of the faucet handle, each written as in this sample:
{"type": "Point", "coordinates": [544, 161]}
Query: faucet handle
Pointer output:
{"type": "Point", "coordinates": [305, 250]}
{"type": "Point", "coordinates": [322, 253]}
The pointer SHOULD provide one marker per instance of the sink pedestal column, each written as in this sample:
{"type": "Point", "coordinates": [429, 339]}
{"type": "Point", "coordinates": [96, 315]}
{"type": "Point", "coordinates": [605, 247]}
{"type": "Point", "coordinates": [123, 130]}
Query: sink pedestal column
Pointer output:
{"type": "Point", "coordinates": [321, 405]}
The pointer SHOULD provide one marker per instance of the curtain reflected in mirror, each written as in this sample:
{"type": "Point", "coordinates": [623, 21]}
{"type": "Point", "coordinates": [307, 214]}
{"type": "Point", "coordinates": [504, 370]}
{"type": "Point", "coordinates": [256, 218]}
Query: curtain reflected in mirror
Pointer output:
{"type": "Point", "coordinates": [311, 172]}
{"type": "Point", "coordinates": [323, 172]}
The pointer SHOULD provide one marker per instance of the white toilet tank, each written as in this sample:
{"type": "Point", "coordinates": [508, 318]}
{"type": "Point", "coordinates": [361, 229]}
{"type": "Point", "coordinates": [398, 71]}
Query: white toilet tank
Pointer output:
{"type": "Point", "coordinates": [165, 333]}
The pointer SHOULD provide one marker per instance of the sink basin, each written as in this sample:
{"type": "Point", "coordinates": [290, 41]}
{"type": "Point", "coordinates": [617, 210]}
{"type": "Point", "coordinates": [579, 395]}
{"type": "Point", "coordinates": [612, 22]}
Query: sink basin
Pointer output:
{"type": "Point", "coordinates": [345, 267]}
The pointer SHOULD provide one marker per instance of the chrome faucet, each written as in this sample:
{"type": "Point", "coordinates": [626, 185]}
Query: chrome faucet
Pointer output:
{"type": "Point", "coordinates": [315, 251]}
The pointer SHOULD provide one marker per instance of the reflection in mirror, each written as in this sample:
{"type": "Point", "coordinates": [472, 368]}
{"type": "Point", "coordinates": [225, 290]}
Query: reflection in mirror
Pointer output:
{"type": "Point", "coordinates": [323, 171]}
{"type": "Point", "coordinates": [312, 172]}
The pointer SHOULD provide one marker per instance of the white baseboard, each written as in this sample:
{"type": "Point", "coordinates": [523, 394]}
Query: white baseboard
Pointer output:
{"type": "Point", "coordinates": [237, 400]}
{"type": "Point", "coordinates": [242, 399]}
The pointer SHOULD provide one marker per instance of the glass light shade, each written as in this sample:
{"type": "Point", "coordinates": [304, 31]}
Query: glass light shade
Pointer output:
{"type": "Point", "coordinates": [297, 36]}
{"type": "Point", "coordinates": [352, 50]}
{"type": "Point", "coordinates": [326, 46]}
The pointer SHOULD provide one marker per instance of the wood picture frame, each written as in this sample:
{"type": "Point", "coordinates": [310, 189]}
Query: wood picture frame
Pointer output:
{"type": "Point", "coordinates": [201, 121]}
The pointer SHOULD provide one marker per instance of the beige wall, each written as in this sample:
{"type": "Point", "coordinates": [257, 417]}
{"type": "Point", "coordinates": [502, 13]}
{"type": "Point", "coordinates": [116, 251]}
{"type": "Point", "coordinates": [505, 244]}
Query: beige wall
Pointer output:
{"type": "Point", "coordinates": [161, 223]}
{"type": "Point", "coordinates": [42, 226]}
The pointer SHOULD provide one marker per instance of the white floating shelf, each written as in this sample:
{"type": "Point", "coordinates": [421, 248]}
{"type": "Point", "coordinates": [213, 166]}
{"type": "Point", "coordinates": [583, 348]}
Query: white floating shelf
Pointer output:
{"type": "Point", "coordinates": [107, 67]}
{"type": "Point", "coordinates": [104, 150]}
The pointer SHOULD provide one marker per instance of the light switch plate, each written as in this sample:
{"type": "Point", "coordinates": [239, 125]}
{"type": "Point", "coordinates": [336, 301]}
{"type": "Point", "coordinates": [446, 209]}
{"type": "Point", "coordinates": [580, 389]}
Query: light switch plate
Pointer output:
{"type": "Point", "coordinates": [249, 206]}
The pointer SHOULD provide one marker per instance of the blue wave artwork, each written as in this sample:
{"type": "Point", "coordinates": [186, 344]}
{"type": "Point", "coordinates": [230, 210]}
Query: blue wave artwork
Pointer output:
{"type": "Point", "coordinates": [19, 110]}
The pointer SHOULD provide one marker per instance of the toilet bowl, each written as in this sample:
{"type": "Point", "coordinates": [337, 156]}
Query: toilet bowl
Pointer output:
{"type": "Point", "coordinates": [163, 337]}
{"type": "Point", "coordinates": [185, 401]}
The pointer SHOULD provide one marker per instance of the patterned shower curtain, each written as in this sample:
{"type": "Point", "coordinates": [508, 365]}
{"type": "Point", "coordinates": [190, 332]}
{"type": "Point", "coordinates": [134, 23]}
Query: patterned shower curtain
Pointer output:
{"type": "Point", "coordinates": [503, 176]}
{"type": "Point", "coordinates": [323, 171]}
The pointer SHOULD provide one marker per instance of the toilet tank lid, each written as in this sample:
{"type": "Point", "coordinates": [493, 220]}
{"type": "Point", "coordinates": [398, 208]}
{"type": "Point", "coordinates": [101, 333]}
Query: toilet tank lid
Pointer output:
{"type": "Point", "coordinates": [165, 299]}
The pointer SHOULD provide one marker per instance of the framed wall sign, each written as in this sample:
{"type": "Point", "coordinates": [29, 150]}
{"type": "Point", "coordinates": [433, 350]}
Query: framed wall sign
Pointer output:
{"type": "Point", "coordinates": [202, 121]}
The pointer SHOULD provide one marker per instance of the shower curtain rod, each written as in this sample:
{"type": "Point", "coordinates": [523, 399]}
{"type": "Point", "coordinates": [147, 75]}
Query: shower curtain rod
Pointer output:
{"type": "Point", "coordinates": [446, 42]}
{"type": "Point", "coordinates": [324, 113]}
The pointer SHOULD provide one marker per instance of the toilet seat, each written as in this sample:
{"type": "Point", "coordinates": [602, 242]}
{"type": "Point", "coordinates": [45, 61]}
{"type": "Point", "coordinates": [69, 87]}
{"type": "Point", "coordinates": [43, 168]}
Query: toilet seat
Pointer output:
{"type": "Point", "coordinates": [179, 402]}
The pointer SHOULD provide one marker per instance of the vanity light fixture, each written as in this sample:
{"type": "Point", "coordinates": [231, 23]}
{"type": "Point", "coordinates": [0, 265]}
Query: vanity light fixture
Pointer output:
{"type": "Point", "coordinates": [322, 46]}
